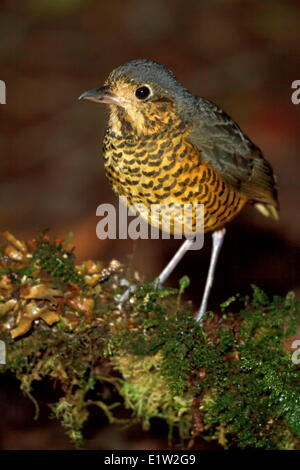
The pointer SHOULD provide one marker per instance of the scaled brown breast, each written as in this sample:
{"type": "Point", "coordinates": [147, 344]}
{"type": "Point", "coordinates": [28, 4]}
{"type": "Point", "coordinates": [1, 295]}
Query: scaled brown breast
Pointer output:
{"type": "Point", "coordinates": [166, 169]}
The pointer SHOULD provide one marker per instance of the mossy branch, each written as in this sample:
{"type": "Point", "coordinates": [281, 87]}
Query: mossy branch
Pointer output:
{"type": "Point", "coordinates": [232, 380]}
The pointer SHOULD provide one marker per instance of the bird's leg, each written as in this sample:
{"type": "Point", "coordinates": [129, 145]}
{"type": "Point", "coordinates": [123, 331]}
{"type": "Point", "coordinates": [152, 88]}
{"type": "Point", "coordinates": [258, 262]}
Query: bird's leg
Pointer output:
{"type": "Point", "coordinates": [165, 273]}
{"type": "Point", "coordinates": [217, 239]}
{"type": "Point", "coordinates": [174, 261]}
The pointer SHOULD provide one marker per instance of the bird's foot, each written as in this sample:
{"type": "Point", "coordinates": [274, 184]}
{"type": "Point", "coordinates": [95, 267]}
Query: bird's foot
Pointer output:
{"type": "Point", "coordinates": [120, 299]}
{"type": "Point", "coordinates": [200, 314]}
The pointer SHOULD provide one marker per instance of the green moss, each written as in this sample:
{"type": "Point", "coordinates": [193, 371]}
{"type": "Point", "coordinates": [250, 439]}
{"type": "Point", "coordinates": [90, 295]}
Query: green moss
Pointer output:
{"type": "Point", "coordinates": [232, 381]}
{"type": "Point", "coordinates": [48, 255]}
{"type": "Point", "coordinates": [148, 394]}
{"type": "Point", "coordinates": [56, 261]}
{"type": "Point", "coordinates": [252, 384]}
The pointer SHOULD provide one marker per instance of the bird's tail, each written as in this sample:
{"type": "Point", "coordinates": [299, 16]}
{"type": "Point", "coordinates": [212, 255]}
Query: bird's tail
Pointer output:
{"type": "Point", "coordinates": [268, 210]}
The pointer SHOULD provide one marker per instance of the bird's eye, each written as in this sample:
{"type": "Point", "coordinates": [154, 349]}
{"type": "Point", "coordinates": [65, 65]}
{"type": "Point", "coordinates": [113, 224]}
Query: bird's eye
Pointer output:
{"type": "Point", "coordinates": [142, 92]}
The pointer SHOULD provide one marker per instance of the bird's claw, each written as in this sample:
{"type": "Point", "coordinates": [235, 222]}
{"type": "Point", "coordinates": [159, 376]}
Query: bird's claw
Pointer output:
{"type": "Point", "coordinates": [121, 299]}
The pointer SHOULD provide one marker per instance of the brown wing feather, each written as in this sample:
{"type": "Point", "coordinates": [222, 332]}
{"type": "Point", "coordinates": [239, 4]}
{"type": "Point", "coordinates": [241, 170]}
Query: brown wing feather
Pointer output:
{"type": "Point", "coordinates": [228, 150]}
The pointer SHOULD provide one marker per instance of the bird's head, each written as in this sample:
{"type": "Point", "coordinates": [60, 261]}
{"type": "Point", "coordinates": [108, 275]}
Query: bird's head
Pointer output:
{"type": "Point", "coordinates": [144, 94]}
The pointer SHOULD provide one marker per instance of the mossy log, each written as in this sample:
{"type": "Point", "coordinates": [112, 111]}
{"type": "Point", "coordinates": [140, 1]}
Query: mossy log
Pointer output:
{"type": "Point", "coordinates": [232, 380]}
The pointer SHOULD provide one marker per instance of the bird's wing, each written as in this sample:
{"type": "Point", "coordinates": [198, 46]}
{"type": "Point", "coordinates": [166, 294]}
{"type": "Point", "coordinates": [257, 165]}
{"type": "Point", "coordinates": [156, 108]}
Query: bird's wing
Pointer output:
{"type": "Point", "coordinates": [229, 151]}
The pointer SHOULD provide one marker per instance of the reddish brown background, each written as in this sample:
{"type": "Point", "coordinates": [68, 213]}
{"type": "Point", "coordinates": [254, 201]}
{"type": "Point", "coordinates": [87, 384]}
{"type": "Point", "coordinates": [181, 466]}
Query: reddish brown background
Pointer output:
{"type": "Point", "coordinates": [242, 55]}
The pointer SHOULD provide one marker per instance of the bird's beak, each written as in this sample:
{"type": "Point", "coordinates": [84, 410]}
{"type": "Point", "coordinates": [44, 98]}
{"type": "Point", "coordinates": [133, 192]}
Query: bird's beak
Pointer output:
{"type": "Point", "coordinates": [102, 94]}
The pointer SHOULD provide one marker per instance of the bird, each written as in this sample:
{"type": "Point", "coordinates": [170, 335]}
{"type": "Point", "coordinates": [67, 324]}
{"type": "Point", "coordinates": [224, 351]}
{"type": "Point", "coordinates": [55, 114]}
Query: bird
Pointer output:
{"type": "Point", "coordinates": [166, 147]}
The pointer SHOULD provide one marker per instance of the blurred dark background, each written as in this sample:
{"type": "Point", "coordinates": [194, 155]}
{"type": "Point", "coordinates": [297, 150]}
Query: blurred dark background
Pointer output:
{"type": "Point", "coordinates": [244, 55]}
